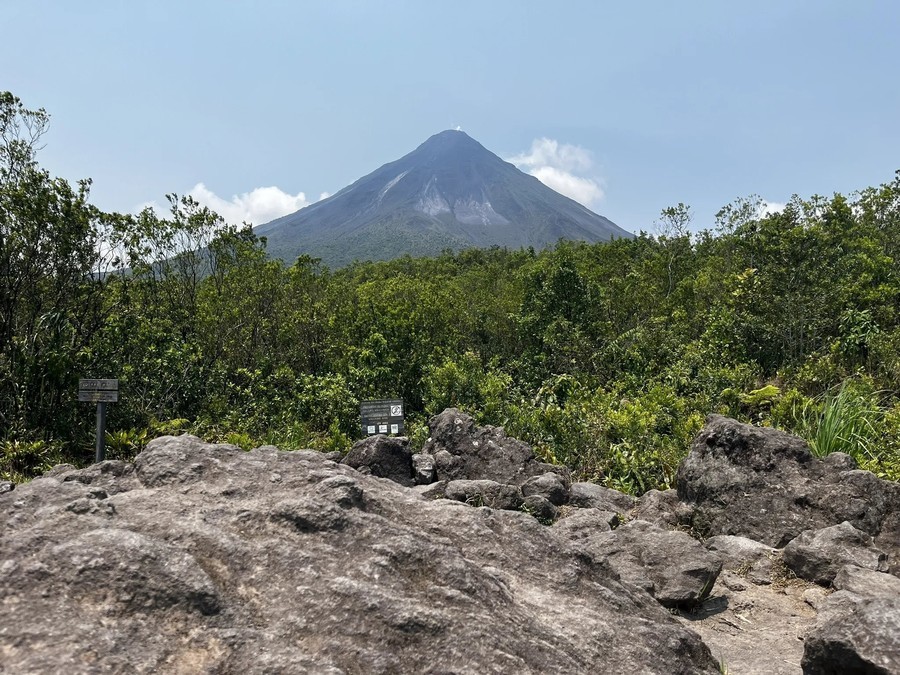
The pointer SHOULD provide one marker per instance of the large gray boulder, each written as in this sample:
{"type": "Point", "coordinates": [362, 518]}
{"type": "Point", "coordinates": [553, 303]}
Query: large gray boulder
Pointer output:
{"type": "Point", "coordinates": [764, 484]}
{"type": "Point", "coordinates": [383, 456]}
{"type": "Point", "coordinates": [858, 627]}
{"type": "Point", "coordinates": [670, 565]}
{"type": "Point", "coordinates": [818, 555]}
{"type": "Point", "coordinates": [463, 451]}
{"type": "Point", "coordinates": [205, 558]}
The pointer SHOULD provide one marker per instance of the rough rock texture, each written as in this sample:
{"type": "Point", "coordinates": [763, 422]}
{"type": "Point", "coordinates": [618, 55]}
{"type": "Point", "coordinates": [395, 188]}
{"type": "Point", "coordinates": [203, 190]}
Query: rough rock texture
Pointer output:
{"type": "Point", "coordinates": [383, 456]}
{"type": "Point", "coordinates": [676, 569]}
{"type": "Point", "coordinates": [662, 508]}
{"type": "Point", "coordinates": [751, 559]}
{"type": "Point", "coordinates": [541, 508]}
{"type": "Point", "coordinates": [463, 451]}
{"type": "Point", "coordinates": [484, 493]}
{"type": "Point", "coordinates": [432, 490]}
{"type": "Point", "coordinates": [423, 469]}
{"type": "Point", "coordinates": [584, 523]}
{"type": "Point", "coordinates": [551, 486]}
{"type": "Point", "coordinates": [858, 627]}
{"type": "Point", "coordinates": [764, 484]}
{"type": "Point", "coordinates": [204, 558]}
{"type": "Point", "coordinates": [593, 496]}
{"type": "Point", "coordinates": [818, 555]}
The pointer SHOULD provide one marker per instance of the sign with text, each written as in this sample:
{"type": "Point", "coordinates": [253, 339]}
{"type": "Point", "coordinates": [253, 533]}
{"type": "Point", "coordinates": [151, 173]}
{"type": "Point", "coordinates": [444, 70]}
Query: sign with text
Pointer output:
{"type": "Point", "coordinates": [381, 417]}
{"type": "Point", "coordinates": [98, 391]}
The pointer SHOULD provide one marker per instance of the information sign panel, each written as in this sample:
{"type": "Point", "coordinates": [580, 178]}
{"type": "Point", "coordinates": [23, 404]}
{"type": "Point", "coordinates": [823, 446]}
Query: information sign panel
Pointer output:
{"type": "Point", "coordinates": [381, 417]}
{"type": "Point", "coordinates": [98, 396]}
{"type": "Point", "coordinates": [98, 385]}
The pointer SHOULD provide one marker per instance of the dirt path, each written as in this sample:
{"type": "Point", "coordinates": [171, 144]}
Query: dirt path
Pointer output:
{"type": "Point", "coordinates": [755, 629]}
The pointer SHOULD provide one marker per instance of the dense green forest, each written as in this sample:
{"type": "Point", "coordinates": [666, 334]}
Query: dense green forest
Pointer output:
{"type": "Point", "coordinates": [605, 357]}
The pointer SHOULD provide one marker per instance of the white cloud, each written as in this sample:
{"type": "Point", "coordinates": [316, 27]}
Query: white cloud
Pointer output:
{"type": "Point", "coordinates": [258, 206]}
{"type": "Point", "coordinates": [562, 167]}
{"type": "Point", "coordinates": [767, 208]}
{"type": "Point", "coordinates": [583, 190]}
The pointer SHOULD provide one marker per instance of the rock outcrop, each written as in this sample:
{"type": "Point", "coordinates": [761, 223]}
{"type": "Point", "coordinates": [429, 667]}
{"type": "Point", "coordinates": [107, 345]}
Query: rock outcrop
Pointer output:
{"type": "Point", "coordinates": [818, 555]}
{"type": "Point", "coordinates": [765, 484]}
{"type": "Point", "coordinates": [858, 627]}
{"type": "Point", "coordinates": [205, 558]}
{"type": "Point", "coordinates": [471, 556]}
{"type": "Point", "coordinates": [462, 450]}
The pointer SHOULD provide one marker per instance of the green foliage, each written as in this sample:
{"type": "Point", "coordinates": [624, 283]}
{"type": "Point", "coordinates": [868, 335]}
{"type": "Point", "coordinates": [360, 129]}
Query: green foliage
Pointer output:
{"type": "Point", "coordinates": [763, 396]}
{"type": "Point", "coordinates": [125, 444]}
{"type": "Point", "coordinates": [464, 383]}
{"type": "Point", "coordinates": [845, 421]}
{"type": "Point", "coordinates": [22, 460]}
{"type": "Point", "coordinates": [604, 357]}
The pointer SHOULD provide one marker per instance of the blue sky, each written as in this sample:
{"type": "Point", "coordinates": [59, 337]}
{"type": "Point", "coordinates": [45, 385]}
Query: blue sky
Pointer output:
{"type": "Point", "coordinates": [628, 106]}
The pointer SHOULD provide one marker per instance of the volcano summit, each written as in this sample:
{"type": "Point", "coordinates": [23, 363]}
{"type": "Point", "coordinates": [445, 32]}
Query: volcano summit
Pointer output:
{"type": "Point", "coordinates": [450, 192]}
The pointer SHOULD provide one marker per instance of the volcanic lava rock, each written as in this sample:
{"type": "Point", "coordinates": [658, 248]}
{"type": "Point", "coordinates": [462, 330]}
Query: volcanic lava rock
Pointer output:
{"type": "Point", "coordinates": [206, 558]}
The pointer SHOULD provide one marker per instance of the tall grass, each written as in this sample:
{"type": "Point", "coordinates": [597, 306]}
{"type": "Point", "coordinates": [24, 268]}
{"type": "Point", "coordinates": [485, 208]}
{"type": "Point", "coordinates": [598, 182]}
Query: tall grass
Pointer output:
{"type": "Point", "coordinates": [842, 422]}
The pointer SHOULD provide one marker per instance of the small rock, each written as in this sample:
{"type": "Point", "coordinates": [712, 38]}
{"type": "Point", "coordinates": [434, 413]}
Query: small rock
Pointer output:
{"type": "Point", "coordinates": [484, 493]}
{"type": "Point", "coordinates": [548, 485]}
{"type": "Point", "coordinates": [423, 468]}
{"type": "Point", "coordinates": [540, 507]}
{"type": "Point", "coordinates": [749, 558]}
{"type": "Point", "coordinates": [732, 583]}
{"type": "Point", "coordinates": [593, 496]}
{"type": "Point", "coordinates": [818, 555]}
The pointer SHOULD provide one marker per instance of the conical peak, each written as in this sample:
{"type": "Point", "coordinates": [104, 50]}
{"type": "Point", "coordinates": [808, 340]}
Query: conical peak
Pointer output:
{"type": "Point", "coordinates": [451, 139]}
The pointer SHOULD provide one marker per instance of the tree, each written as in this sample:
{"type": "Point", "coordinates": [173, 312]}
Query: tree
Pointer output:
{"type": "Point", "coordinates": [50, 287]}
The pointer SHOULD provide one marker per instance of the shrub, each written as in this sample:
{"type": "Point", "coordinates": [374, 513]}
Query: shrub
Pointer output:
{"type": "Point", "coordinates": [22, 460]}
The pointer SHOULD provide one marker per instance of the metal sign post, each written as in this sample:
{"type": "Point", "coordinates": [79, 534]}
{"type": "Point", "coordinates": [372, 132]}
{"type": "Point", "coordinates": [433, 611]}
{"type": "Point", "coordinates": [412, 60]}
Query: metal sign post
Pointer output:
{"type": "Point", "coordinates": [100, 392]}
{"type": "Point", "coordinates": [381, 417]}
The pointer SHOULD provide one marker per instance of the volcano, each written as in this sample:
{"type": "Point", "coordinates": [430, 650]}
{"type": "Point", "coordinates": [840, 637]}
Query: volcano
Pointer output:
{"type": "Point", "coordinates": [449, 193]}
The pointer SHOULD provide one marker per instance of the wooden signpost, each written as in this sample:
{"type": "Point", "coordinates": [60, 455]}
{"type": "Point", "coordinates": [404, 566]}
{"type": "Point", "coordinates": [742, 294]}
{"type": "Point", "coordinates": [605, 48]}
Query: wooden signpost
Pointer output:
{"type": "Point", "coordinates": [100, 392]}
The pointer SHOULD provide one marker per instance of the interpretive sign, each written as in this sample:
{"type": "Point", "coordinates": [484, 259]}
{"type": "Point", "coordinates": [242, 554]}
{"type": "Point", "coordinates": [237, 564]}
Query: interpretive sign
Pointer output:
{"type": "Point", "coordinates": [381, 417]}
{"type": "Point", "coordinates": [100, 392]}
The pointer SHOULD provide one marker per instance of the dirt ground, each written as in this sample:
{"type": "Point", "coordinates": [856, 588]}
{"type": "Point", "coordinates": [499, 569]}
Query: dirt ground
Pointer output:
{"type": "Point", "coordinates": [756, 628]}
